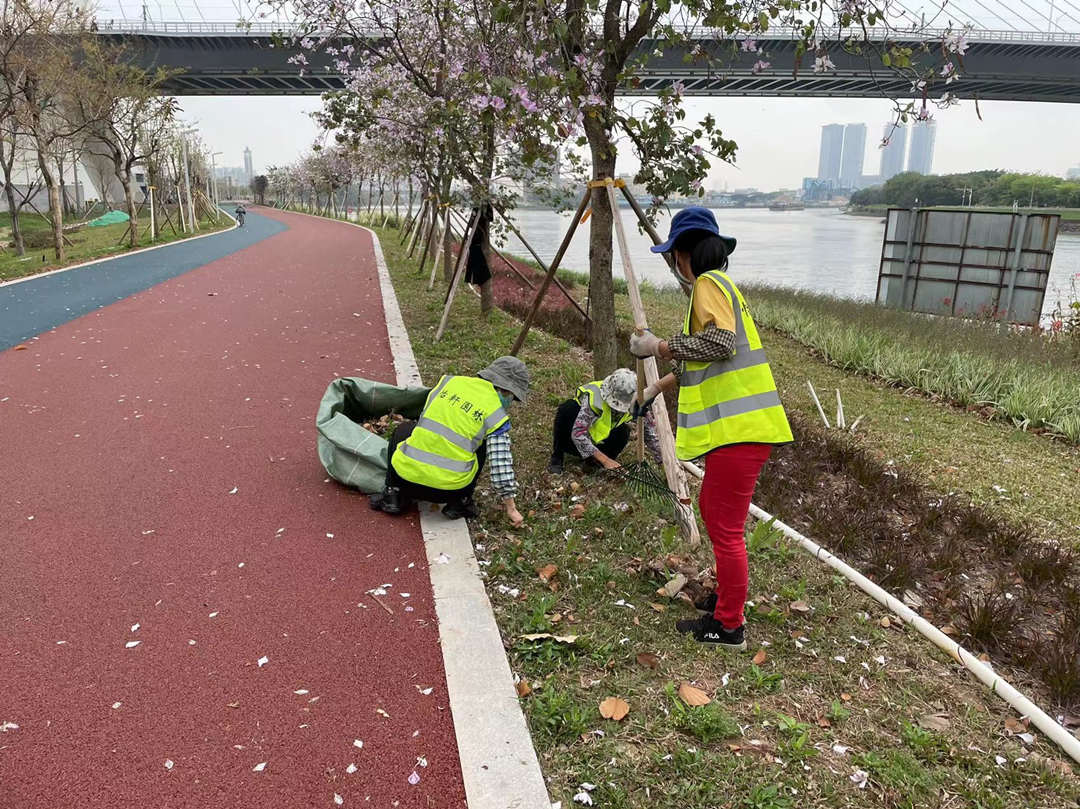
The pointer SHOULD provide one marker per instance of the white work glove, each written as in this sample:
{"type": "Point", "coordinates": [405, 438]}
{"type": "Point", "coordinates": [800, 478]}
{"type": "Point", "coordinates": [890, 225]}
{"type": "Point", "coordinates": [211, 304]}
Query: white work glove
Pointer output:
{"type": "Point", "coordinates": [644, 345]}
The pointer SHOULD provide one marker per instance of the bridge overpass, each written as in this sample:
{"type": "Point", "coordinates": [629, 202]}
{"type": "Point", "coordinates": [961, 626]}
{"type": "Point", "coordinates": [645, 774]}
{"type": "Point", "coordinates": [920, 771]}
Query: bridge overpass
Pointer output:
{"type": "Point", "coordinates": [224, 59]}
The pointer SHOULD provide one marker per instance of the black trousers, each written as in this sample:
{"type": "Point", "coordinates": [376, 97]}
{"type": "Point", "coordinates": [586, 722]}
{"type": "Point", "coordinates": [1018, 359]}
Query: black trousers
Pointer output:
{"type": "Point", "coordinates": [417, 491]}
{"type": "Point", "coordinates": [563, 444]}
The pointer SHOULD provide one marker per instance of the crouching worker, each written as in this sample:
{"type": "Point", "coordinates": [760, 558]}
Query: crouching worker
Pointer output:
{"type": "Point", "coordinates": [596, 425]}
{"type": "Point", "coordinates": [464, 424]}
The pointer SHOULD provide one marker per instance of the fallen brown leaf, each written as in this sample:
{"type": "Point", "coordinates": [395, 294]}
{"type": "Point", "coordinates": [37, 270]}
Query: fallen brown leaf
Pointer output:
{"type": "Point", "coordinates": [949, 629]}
{"type": "Point", "coordinates": [823, 722]}
{"type": "Point", "coordinates": [547, 573]}
{"type": "Point", "coordinates": [648, 660]}
{"type": "Point", "coordinates": [934, 721]}
{"type": "Point", "coordinates": [577, 511]}
{"type": "Point", "coordinates": [1014, 725]}
{"type": "Point", "coordinates": [885, 622]}
{"type": "Point", "coordinates": [759, 658]}
{"type": "Point", "coordinates": [575, 486]}
{"type": "Point", "coordinates": [234, 704]}
{"type": "Point", "coordinates": [693, 696]}
{"type": "Point", "coordinates": [799, 606]}
{"type": "Point", "coordinates": [523, 689]}
{"type": "Point", "coordinates": [846, 697]}
{"type": "Point", "coordinates": [614, 708]}
{"type": "Point", "coordinates": [657, 607]}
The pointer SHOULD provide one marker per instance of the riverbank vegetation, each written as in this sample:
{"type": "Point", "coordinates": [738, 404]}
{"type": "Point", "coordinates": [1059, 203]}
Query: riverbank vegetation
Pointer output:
{"type": "Point", "coordinates": [1028, 378]}
{"type": "Point", "coordinates": [982, 188]}
{"type": "Point", "coordinates": [836, 703]}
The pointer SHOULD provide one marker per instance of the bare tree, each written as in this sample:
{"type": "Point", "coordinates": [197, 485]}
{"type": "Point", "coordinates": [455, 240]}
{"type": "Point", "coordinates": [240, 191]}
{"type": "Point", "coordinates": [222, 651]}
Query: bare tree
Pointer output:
{"type": "Point", "coordinates": [127, 118]}
{"type": "Point", "coordinates": [43, 63]}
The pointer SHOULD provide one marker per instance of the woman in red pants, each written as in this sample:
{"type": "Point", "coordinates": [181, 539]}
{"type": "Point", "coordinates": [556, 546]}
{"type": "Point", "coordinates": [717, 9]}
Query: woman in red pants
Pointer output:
{"type": "Point", "coordinates": [729, 410]}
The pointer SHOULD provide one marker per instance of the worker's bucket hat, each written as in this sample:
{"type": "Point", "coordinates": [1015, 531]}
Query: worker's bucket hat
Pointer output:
{"type": "Point", "coordinates": [508, 373]}
{"type": "Point", "coordinates": [693, 218]}
{"type": "Point", "coordinates": [619, 389]}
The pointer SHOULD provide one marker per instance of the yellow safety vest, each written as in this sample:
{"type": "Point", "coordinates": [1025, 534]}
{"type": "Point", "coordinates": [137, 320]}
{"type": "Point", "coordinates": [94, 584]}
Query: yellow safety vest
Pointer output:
{"type": "Point", "coordinates": [732, 401]}
{"type": "Point", "coordinates": [602, 427]}
{"type": "Point", "coordinates": [459, 414]}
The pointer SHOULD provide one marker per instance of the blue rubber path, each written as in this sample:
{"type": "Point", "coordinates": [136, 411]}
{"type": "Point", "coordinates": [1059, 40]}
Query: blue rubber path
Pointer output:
{"type": "Point", "coordinates": [29, 308]}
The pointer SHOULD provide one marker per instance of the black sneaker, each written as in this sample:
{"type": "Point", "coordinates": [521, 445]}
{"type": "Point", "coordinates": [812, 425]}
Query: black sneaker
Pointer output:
{"type": "Point", "coordinates": [555, 466]}
{"type": "Point", "coordinates": [706, 605]}
{"type": "Point", "coordinates": [375, 501]}
{"type": "Point", "coordinates": [391, 502]}
{"type": "Point", "coordinates": [709, 631]}
{"type": "Point", "coordinates": [466, 507]}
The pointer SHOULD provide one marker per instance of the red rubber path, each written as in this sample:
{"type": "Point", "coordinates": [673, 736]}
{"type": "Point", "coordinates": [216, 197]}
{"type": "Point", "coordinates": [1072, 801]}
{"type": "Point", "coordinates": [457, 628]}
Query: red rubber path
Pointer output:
{"type": "Point", "coordinates": [159, 469]}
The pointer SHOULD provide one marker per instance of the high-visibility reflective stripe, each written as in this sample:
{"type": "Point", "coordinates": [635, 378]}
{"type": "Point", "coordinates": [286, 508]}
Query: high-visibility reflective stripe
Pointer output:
{"type": "Point", "coordinates": [423, 456]}
{"type": "Point", "coordinates": [732, 407]}
{"type": "Point", "coordinates": [438, 388]}
{"type": "Point", "coordinates": [746, 358]}
{"type": "Point", "coordinates": [468, 444]}
{"type": "Point", "coordinates": [490, 423]}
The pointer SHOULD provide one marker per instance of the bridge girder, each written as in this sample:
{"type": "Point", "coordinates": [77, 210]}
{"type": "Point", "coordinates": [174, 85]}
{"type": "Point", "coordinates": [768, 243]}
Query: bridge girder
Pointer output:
{"type": "Point", "coordinates": [242, 63]}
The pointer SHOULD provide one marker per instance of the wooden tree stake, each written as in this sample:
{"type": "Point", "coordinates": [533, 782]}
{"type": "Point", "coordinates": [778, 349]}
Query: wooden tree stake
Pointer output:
{"type": "Point", "coordinates": [647, 367]}
{"type": "Point", "coordinates": [458, 272]}
{"type": "Point", "coordinates": [551, 270]}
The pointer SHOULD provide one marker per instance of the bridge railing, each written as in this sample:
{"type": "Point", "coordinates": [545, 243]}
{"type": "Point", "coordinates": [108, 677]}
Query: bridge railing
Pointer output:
{"type": "Point", "coordinates": [264, 29]}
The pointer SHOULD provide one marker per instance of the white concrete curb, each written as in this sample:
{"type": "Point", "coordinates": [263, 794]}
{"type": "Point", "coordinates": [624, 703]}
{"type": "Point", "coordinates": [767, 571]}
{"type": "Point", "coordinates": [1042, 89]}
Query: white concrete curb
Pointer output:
{"type": "Point", "coordinates": [498, 762]}
{"type": "Point", "coordinates": [14, 281]}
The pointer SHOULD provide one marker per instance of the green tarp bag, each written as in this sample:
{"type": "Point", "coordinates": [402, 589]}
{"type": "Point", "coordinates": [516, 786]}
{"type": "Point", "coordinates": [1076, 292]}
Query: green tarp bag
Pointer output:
{"type": "Point", "coordinates": [110, 218]}
{"type": "Point", "coordinates": [349, 453]}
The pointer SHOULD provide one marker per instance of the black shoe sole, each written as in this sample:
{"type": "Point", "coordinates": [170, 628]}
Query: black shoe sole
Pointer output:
{"type": "Point", "coordinates": [738, 647]}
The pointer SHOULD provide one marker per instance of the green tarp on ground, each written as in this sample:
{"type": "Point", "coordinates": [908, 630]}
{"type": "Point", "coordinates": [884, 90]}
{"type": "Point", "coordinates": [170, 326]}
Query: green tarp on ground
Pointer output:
{"type": "Point", "coordinates": [110, 218]}
{"type": "Point", "coordinates": [349, 453]}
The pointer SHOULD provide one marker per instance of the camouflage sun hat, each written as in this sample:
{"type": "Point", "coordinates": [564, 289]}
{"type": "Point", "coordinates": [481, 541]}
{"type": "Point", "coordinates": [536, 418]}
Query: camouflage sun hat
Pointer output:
{"type": "Point", "coordinates": [508, 373]}
{"type": "Point", "coordinates": [619, 389]}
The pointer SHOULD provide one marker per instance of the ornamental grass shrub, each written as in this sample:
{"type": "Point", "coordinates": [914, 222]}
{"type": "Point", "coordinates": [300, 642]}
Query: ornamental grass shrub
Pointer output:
{"type": "Point", "coordinates": [1021, 375]}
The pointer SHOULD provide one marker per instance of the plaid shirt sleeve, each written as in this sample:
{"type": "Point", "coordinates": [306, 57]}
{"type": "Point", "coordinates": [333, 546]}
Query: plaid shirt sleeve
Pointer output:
{"type": "Point", "coordinates": [708, 345]}
{"type": "Point", "coordinates": [501, 463]}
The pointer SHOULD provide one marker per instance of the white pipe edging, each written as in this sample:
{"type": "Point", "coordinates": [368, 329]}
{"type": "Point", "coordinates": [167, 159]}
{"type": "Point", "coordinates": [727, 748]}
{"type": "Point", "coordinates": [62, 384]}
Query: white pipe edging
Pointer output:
{"type": "Point", "coordinates": [997, 684]}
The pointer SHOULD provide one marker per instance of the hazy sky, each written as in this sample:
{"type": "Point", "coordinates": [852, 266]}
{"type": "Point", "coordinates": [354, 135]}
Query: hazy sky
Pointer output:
{"type": "Point", "coordinates": [778, 137]}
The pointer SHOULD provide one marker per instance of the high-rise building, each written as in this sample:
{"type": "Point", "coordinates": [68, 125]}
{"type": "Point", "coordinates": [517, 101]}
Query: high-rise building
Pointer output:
{"type": "Point", "coordinates": [921, 155]}
{"type": "Point", "coordinates": [249, 170]}
{"type": "Point", "coordinates": [892, 154]}
{"type": "Point", "coordinates": [851, 163]}
{"type": "Point", "coordinates": [832, 147]}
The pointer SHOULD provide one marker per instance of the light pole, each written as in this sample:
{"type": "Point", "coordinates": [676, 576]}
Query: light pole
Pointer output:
{"type": "Point", "coordinates": [187, 176]}
{"type": "Point", "coordinates": [213, 173]}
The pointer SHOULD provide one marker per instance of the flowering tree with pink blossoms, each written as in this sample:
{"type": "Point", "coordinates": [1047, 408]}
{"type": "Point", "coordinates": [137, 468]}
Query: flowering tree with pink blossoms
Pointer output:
{"type": "Point", "coordinates": [481, 91]}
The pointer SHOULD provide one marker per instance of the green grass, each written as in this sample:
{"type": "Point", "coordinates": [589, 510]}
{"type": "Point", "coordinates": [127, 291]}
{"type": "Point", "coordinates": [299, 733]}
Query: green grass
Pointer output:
{"type": "Point", "coordinates": [1023, 377]}
{"type": "Point", "coordinates": [1023, 475]}
{"type": "Point", "coordinates": [769, 737]}
{"type": "Point", "coordinates": [86, 244]}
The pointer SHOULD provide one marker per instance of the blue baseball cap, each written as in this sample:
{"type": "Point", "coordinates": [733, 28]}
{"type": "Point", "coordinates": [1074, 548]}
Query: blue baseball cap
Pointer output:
{"type": "Point", "coordinates": [693, 218]}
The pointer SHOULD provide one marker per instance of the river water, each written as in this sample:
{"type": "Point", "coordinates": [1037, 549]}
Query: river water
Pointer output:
{"type": "Point", "coordinates": [821, 250]}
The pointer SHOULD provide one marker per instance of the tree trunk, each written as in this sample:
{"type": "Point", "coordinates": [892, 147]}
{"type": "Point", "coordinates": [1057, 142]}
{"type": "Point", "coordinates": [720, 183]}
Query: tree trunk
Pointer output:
{"type": "Point", "coordinates": [133, 215]}
{"type": "Point", "coordinates": [56, 213]}
{"type": "Point", "coordinates": [601, 288]}
{"type": "Point", "coordinates": [16, 228]}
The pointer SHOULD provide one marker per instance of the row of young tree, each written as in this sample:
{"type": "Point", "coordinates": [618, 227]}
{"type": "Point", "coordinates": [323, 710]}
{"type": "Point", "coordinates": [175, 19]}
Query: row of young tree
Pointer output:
{"type": "Point", "coordinates": [482, 94]}
{"type": "Point", "coordinates": [987, 188]}
{"type": "Point", "coordinates": [67, 96]}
